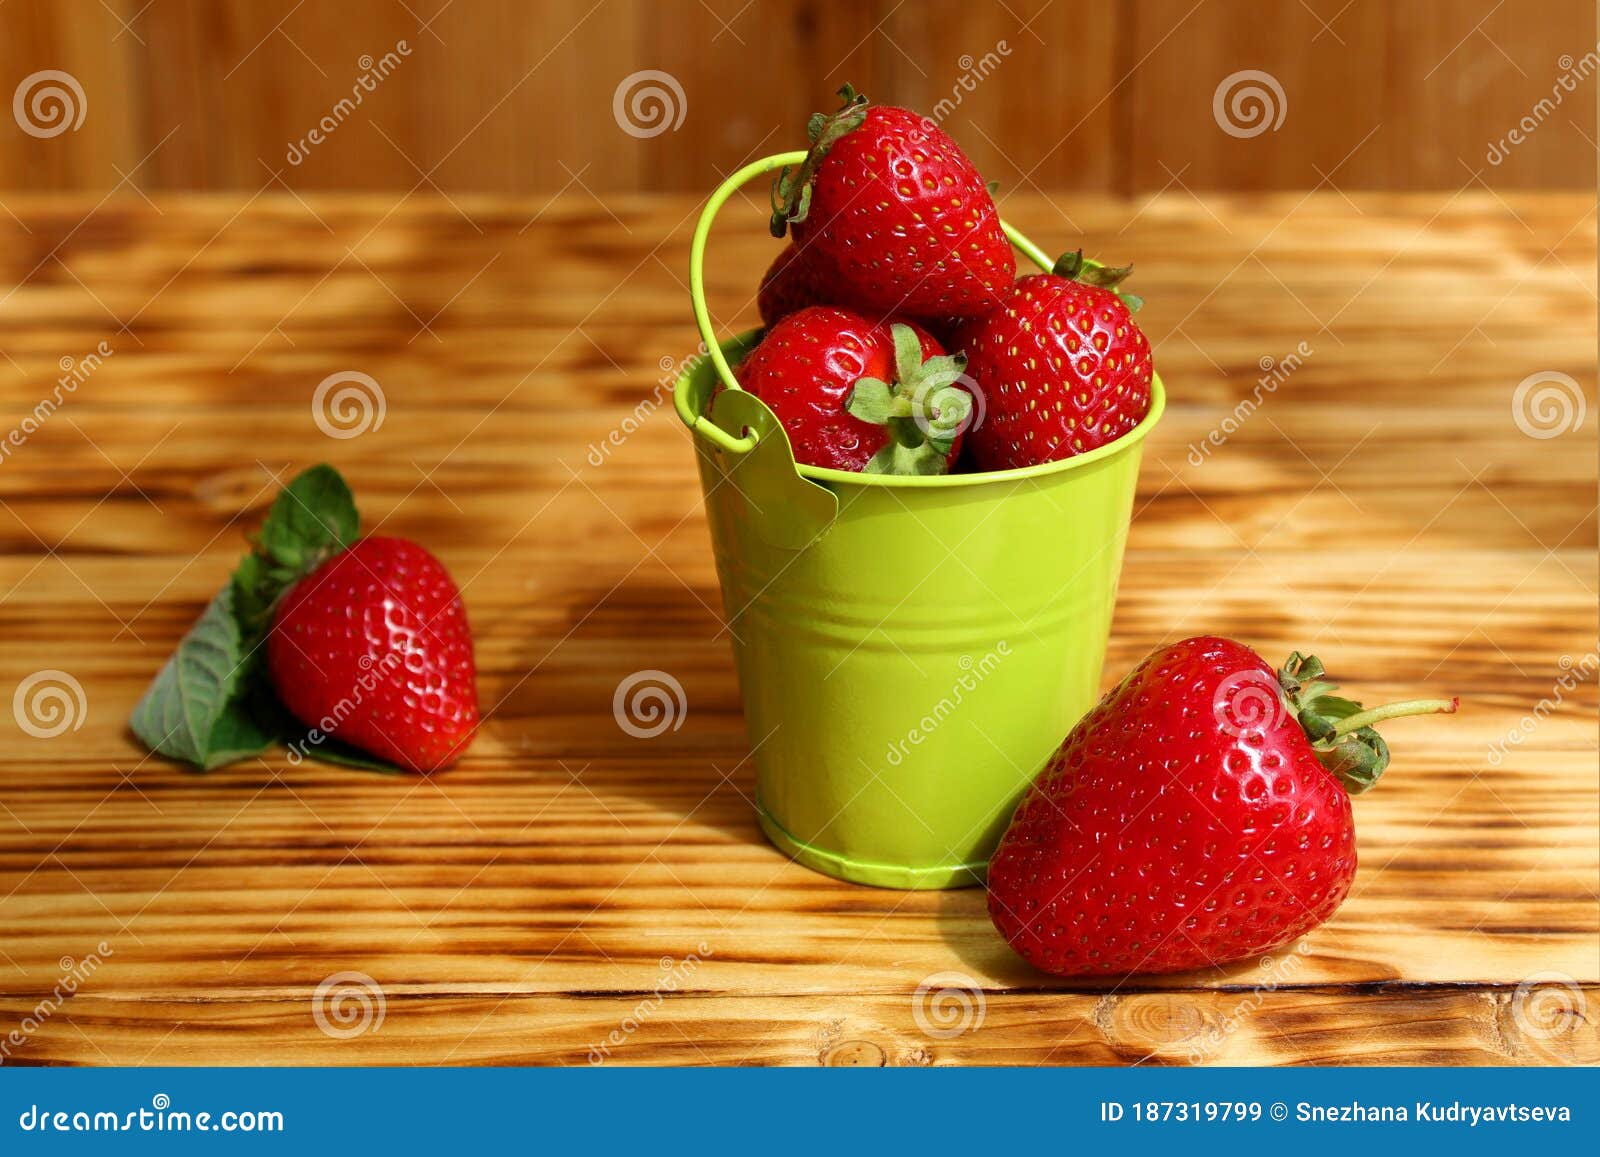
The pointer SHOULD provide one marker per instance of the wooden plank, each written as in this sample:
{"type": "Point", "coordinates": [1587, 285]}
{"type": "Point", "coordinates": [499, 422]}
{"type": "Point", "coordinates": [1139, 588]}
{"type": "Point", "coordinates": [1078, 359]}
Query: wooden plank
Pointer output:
{"type": "Point", "coordinates": [1371, 95]}
{"type": "Point", "coordinates": [1394, 517]}
{"type": "Point", "coordinates": [507, 96]}
{"type": "Point", "coordinates": [82, 39]}
{"type": "Point", "coordinates": [1404, 1026]}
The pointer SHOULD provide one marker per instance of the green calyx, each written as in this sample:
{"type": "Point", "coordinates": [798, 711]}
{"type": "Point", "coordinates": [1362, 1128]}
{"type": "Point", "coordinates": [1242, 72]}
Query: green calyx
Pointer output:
{"type": "Point", "coordinates": [791, 190]}
{"type": "Point", "coordinates": [923, 409]}
{"type": "Point", "coordinates": [1077, 267]}
{"type": "Point", "coordinates": [1341, 730]}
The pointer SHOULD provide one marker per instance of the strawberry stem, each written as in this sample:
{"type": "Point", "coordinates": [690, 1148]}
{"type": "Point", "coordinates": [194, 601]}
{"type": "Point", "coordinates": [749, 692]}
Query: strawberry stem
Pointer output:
{"type": "Point", "coordinates": [1341, 730]}
{"type": "Point", "coordinates": [1390, 711]}
{"type": "Point", "coordinates": [791, 189]}
{"type": "Point", "coordinates": [1077, 267]}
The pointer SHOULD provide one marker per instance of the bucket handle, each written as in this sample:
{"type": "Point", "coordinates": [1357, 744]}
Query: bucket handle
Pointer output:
{"type": "Point", "coordinates": [699, 423]}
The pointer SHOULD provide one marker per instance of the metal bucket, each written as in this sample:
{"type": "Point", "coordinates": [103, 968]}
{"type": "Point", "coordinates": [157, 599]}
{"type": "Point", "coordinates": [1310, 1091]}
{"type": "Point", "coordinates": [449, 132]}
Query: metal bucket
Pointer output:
{"type": "Point", "coordinates": [910, 650]}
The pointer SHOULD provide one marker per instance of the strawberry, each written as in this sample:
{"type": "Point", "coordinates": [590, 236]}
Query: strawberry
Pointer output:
{"type": "Point", "coordinates": [372, 647]}
{"type": "Point", "coordinates": [794, 280]}
{"type": "Point", "coordinates": [1199, 814]}
{"type": "Point", "coordinates": [1061, 366]}
{"type": "Point", "coordinates": [855, 394]}
{"type": "Point", "coordinates": [892, 204]}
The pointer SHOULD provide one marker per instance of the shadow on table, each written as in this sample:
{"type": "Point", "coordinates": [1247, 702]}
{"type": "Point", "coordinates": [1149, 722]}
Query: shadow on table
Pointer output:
{"type": "Point", "coordinates": [631, 690]}
{"type": "Point", "coordinates": [964, 924]}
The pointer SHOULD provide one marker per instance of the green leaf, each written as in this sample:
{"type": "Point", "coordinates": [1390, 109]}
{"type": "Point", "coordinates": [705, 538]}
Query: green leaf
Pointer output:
{"type": "Point", "coordinates": [1358, 759]}
{"type": "Point", "coordinates": [194, 710]}
{"type": "Point", "coordinates": [907, 352]}
{"type": "Point", "coordinates": [870, 400]}
{"type": "Point", "coordinates": [313, 518]}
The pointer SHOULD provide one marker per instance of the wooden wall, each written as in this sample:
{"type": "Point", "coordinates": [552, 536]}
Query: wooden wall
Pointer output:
{"type": "Point", "coordinates": [517, 95]}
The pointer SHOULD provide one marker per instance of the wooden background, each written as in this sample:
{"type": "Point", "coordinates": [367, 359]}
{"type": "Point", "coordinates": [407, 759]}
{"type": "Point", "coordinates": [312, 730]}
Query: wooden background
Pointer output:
{"type": "Point", "coordinates": [517, 95]}
{"type": "Point", "coordinates": [1383, 507]}
{"type": "Point", "coordinates": [513, 278]}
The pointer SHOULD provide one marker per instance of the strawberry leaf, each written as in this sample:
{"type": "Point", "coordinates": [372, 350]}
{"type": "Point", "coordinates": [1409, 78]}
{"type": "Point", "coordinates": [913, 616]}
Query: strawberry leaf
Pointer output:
{"type": "Point", "coordinates": [871, 401]}
{"type": "Point", "coordinates": [312, 518]}
{"type": "Point", "coordinates": [195, 709]}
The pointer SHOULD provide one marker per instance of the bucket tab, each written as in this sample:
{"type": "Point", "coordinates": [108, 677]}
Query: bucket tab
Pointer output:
{"type": "Point", "coordinates": [787, 510]}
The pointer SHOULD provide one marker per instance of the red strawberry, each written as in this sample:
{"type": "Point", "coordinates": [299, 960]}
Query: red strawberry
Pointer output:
{"type": "Point", "coordinates": [794, 280]}
{"type": "Point", "coordinates": [854, 394]}
{"type": "Point", "coordinates": [373, 648]}
{"type": "Point", "coordinates": [1061, 367]}
{"type": "Point", "coordinates": [1199, 814]}
{"type": "Point", "coordinates": [893, 204]}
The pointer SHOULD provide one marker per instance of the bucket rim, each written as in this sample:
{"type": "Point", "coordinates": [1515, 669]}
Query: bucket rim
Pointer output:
{"type": "Point", "coordinates": [740, 343]}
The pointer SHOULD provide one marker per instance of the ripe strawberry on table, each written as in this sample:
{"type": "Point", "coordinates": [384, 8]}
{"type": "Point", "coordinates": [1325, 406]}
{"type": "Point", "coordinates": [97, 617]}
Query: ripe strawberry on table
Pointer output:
{"type": "Point", "coordinates": [892, 204]}
{"type": "Point", "coordinates": [345, 649]}
{"type": "Point", "coordinates": [860, 395]}
{"type": "Point", "coordinates": [1199, 814]}
{"type": "Point", "coordinates": [1061, 366]}
{"type": "Point", "coordinates": [373, 647]}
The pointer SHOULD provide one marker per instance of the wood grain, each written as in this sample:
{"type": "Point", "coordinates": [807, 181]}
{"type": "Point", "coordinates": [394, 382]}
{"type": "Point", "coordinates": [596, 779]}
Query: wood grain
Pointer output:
{"type": "Point", "coordinates": [1423, 1026]}
{"type": "Point", "coordinates": [516, 97]}
{"type": "Point", "coordinates": [1381, 505]}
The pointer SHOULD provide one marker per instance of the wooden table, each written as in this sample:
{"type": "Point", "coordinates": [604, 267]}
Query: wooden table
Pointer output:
{"type": "Point", "coordinates": [568, 881]}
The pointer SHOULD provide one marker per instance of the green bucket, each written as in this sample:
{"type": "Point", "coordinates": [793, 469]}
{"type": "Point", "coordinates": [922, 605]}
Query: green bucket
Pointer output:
{"type": "Point", "coordinates": [910, 650]}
